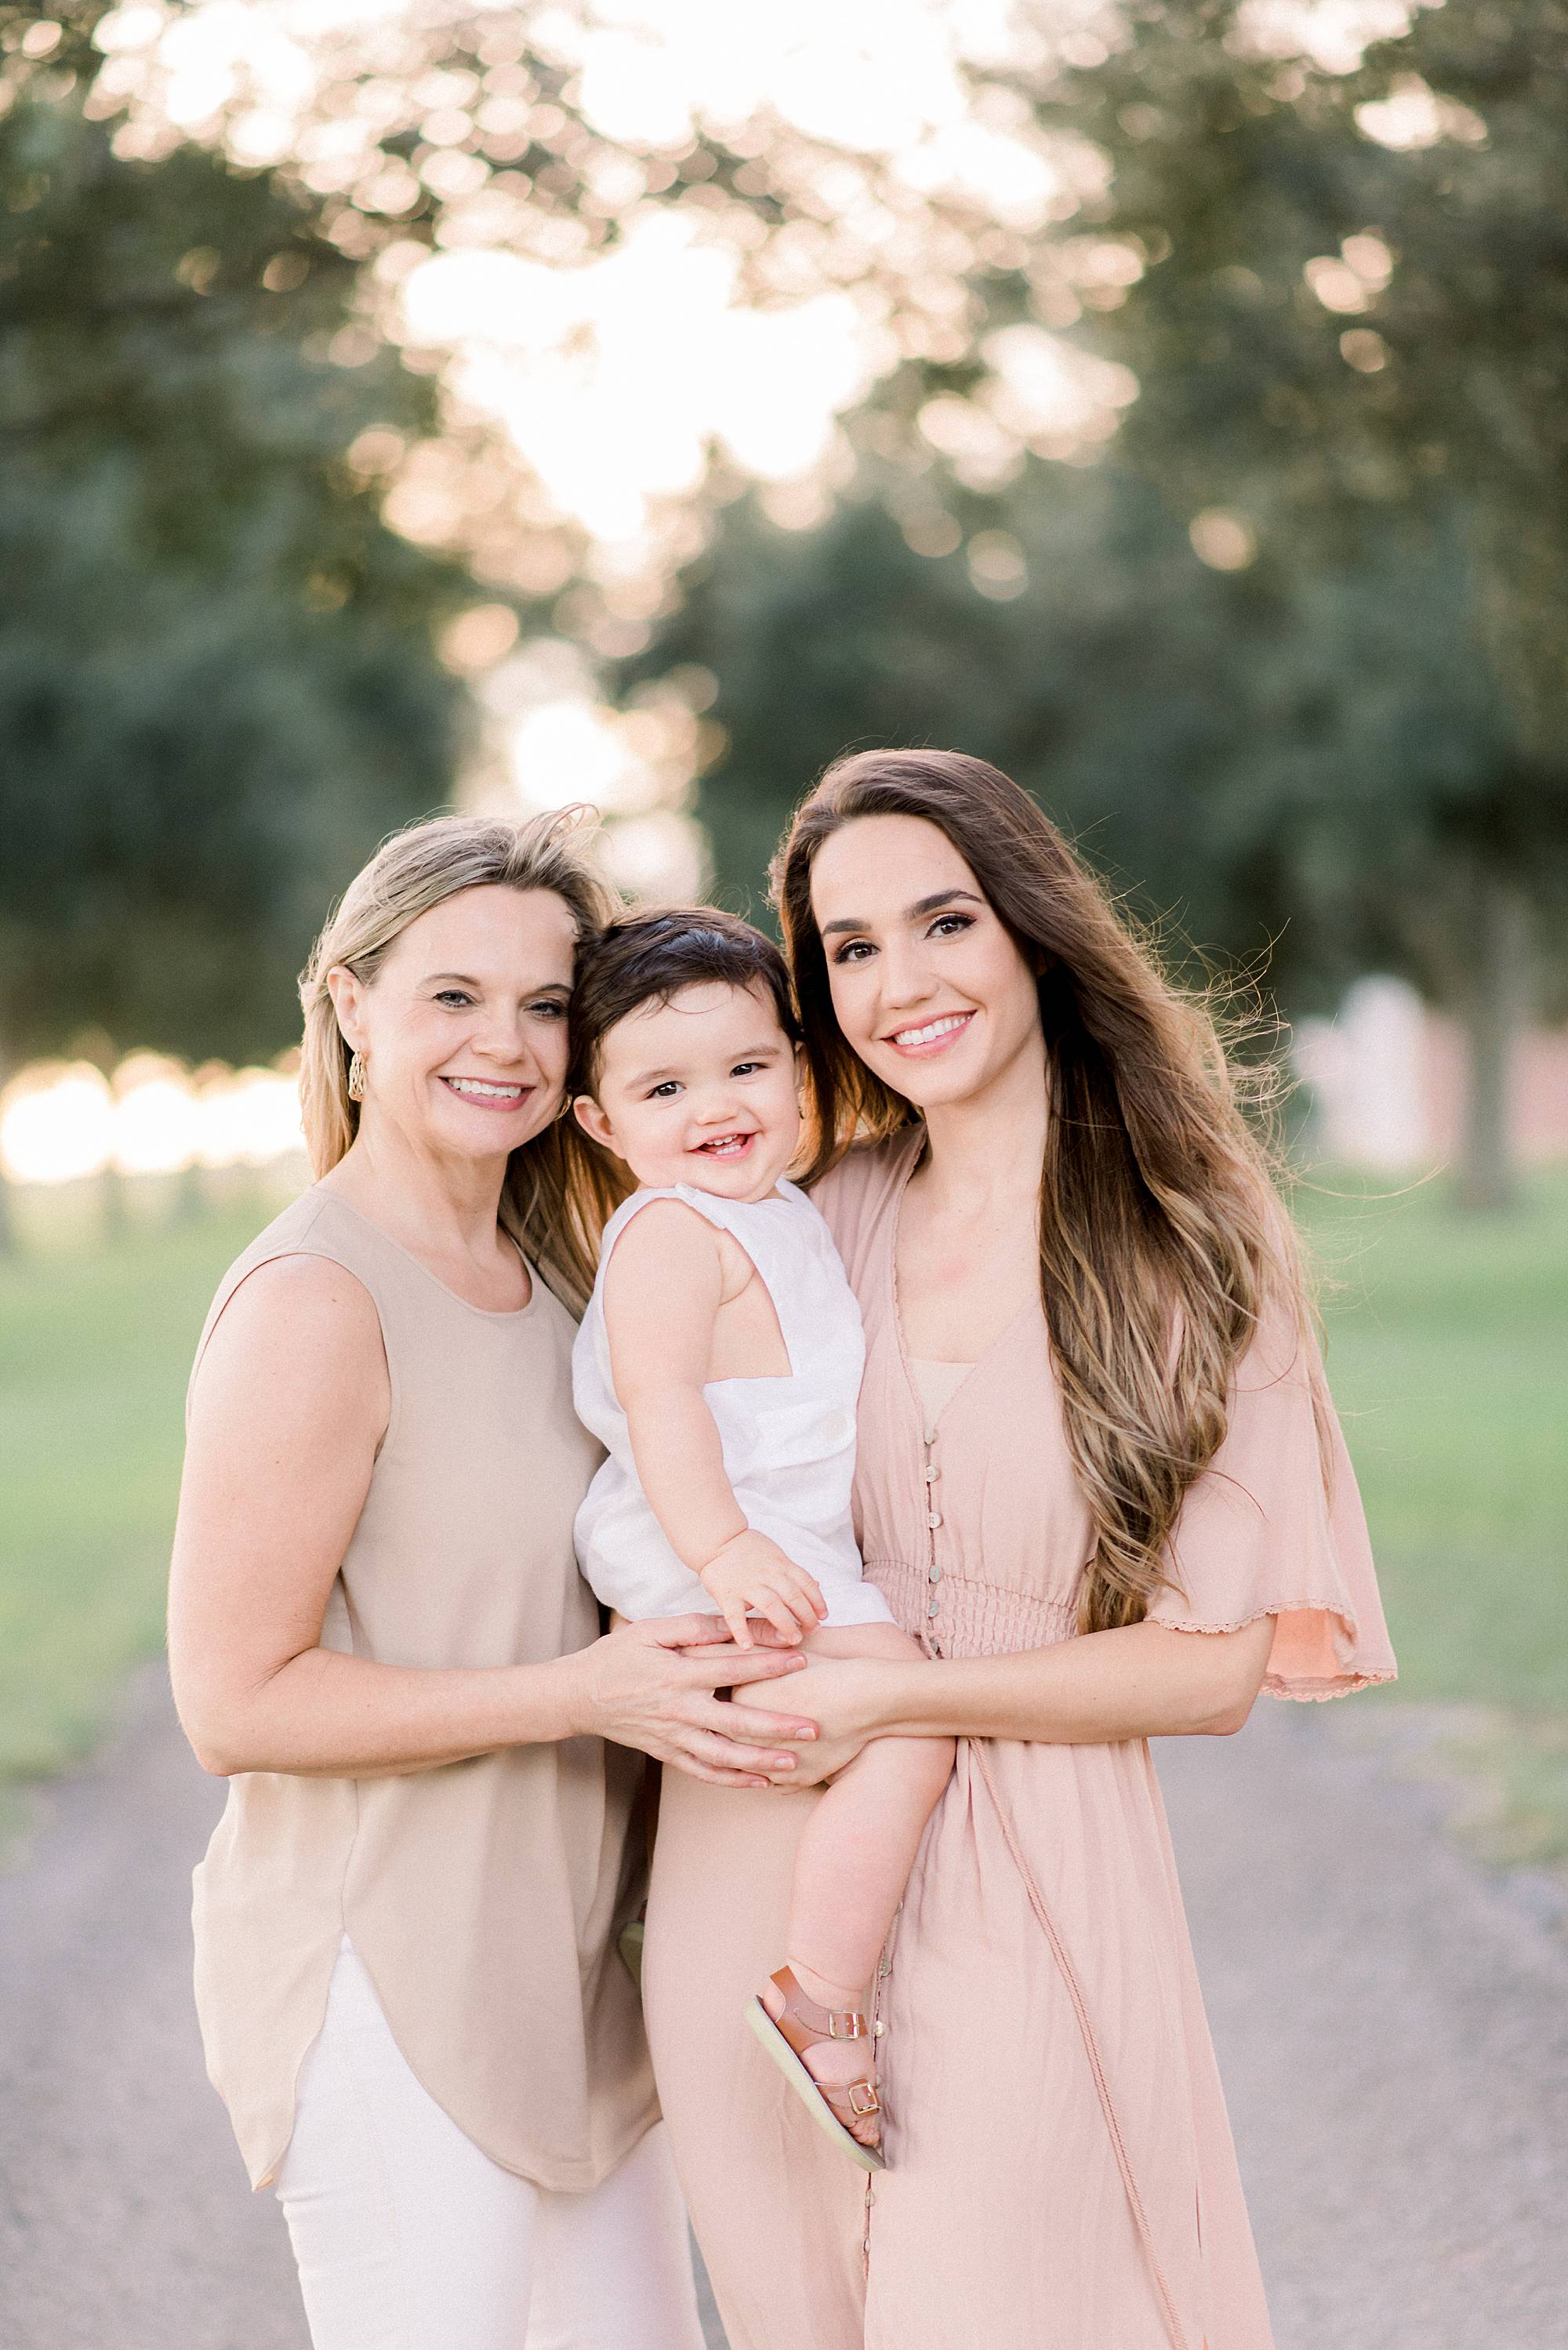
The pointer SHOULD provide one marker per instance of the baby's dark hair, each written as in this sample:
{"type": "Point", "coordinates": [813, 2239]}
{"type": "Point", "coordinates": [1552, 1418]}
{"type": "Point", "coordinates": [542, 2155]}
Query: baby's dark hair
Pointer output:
{"type": "Point", "coordinates": [648, 956]}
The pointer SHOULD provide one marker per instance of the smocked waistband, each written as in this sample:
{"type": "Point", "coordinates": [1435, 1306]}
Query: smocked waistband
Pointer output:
{"type": "Point", "coordinates": [963, 1616]}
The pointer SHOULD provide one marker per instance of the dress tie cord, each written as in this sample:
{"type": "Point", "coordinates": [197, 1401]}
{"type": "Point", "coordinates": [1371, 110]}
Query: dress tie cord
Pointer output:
{"type": "Point", "coordinates": [1174, 2326]}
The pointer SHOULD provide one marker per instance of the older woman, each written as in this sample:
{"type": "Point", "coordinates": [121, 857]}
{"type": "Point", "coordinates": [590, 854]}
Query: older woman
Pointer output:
{"type": "Point", "coordinates": [406, 1970]}
{"type": "Point", "coordinates": [1099, 1478]}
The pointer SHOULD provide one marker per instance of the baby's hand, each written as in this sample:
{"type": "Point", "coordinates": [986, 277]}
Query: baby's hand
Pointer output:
{"type": "Point", "coordinates": [752, 1576]}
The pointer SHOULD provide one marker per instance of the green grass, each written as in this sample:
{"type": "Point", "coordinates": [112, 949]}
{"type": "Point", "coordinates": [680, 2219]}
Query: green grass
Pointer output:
{"type": "Point", "coordinates": [1448, 1361]}
{"type": "Point", "coordinates": [1448, 1355]}
{"type": "Point", "coordinates": [95, 1349]}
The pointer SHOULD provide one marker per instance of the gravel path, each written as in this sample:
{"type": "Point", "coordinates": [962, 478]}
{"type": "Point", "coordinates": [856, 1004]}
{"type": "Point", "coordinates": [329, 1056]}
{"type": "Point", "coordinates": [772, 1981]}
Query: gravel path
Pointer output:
{"type": "Point", "coordinates": [1392, 2025]}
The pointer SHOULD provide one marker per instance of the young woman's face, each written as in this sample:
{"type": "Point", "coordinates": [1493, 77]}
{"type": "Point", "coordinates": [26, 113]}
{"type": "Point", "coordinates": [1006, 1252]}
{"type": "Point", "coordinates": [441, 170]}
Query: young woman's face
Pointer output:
{"type": "Point", "coordinates": [700, 1090]}
{"type": "Point", "coordinates": [463, 1028]}
{"type": "Point", "coordinates": [928, 984]}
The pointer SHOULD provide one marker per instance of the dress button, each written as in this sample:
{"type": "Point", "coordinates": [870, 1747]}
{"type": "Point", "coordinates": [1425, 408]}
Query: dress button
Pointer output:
{"type": "Point", "coordinates": [931, 1438]}
{"type": "Point", "coordinates": [933, 1519]}
{"type": "Point", "coordinates": [931, 1472]}
{"type": "Point", "coordinates": [935, 1608]}
{"type": "Point", "coordinates": [936, 1574]}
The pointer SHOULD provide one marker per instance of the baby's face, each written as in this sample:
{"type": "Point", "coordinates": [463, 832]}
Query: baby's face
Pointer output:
{"type": "Point", "coordinates": [700, 1090]}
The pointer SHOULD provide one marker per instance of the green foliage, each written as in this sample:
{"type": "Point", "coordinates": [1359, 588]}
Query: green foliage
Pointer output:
{"type": "Point", "coordinates": [218, 686]}
{"type": "Point", "coordinates": [1415, 392]}
{"type": "Point", "coordinates": [1238, 750]}
{"type": "Point", "coordinates": [1234, 170]}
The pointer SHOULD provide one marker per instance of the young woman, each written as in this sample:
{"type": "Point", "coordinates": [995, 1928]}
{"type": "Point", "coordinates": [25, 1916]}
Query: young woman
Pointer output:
{"type": "Point", "coordinates": [1100, 1480]}
{"type": "Point", "coordinates": [405, 1926]}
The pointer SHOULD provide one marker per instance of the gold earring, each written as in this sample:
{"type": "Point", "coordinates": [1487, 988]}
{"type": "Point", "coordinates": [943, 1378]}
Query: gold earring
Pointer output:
{"type": "Point", "coordinates": [357, 1077]}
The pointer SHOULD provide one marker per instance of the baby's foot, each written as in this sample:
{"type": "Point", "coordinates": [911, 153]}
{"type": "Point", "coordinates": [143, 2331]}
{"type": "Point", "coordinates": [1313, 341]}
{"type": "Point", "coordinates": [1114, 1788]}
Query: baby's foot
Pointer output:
{"type": "Point", "coordinates": [844, 2065]}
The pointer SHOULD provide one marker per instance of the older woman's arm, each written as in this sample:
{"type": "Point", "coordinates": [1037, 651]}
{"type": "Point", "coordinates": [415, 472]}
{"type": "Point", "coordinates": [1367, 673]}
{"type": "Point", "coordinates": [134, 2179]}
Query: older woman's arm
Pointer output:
{"type": "Point", "coordinates": [291, 1405]}
{"type": "Point", "coordinates": [1145, 1680]}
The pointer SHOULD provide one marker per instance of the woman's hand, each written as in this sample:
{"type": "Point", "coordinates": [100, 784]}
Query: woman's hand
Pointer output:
{"type": "Point", "coordinates": [851, 1700]}
{"type": "Point", "coordinates": [652, 1686]}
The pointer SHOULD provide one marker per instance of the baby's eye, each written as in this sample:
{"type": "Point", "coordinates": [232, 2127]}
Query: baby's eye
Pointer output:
{"type": "Point", "coordinates": [666, 1092]}
{"type": "Point", "coordinates": [746, 1068]}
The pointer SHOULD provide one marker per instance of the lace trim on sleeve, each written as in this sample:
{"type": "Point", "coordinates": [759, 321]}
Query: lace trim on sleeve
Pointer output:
{"type": "Point", "coordinates": [1298, 1689]}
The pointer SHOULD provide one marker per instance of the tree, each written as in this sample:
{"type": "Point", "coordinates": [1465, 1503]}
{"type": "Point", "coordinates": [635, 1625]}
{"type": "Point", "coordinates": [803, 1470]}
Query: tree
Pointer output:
{"type": "Point", "coordinates": [218, 683]}
{"type": "Point", "coordinates": [1350, 325]}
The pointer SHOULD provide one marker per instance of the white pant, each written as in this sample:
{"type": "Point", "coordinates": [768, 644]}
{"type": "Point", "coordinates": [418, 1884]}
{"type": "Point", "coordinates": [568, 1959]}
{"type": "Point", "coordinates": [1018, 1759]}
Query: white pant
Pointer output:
{"type": "Point", "coordinates": [408, 2237]}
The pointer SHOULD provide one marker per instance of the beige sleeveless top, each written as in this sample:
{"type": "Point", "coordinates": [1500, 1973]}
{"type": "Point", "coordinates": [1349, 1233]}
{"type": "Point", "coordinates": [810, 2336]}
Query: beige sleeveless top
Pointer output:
{"type": "Point", "coordinates": [484, 1897]}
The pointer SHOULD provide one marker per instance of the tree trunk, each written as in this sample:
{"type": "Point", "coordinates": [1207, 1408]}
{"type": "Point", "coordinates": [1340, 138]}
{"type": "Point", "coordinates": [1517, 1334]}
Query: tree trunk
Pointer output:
{"type": "Point", "coordinates": [1493, 1007]}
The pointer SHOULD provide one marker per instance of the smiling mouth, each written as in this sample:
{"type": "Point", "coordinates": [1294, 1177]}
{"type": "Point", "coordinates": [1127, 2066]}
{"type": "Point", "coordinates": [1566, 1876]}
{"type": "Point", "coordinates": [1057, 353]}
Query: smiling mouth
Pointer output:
{"type": "Point", "coordinates": [727, 1146]}
{"type": "Point", "coordinates": [934, 1032]}
{"type": "Point", "coordinates": [489, 1096]}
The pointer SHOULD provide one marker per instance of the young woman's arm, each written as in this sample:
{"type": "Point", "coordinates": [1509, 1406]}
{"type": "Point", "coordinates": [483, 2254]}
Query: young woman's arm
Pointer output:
{"type": "Point", "coordinates": [292, 1401]}
{"type": "Point", "coordinates": [1143, 1681]}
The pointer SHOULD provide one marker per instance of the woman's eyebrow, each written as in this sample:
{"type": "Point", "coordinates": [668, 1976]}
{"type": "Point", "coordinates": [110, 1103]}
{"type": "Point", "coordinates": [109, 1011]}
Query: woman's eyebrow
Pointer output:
{"type": "Point", "coordinates": [466, 979]}
{"type": "Point", "coordinates": [911, 913]}
{"type": "Point", "coordinates": [940, 897]}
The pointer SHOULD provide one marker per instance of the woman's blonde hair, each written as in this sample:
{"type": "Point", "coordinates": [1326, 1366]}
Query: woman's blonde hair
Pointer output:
{"type": "Point", "coordinates": [558, 1190]}
{"type": "Point", "coordinates": [1161, 1237]}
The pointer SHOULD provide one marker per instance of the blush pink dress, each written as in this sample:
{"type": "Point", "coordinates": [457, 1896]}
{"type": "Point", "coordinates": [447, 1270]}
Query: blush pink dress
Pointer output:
{"type": "Point", "coordinates": [1061, 2172]}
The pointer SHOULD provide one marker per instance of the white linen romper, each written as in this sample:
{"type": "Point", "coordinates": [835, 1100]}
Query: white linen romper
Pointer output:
{"type": "Point", "coordinates": [788, 1442]}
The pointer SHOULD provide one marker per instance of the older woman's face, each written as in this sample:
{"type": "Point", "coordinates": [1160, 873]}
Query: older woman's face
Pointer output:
{"type": "Point", "coordinates": [928, 984]}
{"type": "Point", "coordinates": [463, 1028]}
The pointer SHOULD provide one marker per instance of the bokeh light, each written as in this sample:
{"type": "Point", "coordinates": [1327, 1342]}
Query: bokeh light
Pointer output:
{"type": "Point", "coordinates": [63, 1121]}
{"type": "Point", "coordinates": [157, 1125]}
{"type": "Point", "coordinates": [56, 1123]}
{"type": "Point", "coordinates": [1225, 542]}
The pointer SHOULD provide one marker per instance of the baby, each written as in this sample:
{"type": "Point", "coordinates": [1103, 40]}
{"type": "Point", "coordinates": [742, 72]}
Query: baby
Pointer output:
{"type": "Point", "coordinates": [719, 1362]}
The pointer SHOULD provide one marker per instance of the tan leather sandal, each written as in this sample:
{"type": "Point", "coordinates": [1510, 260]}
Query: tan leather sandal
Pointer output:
{"type": "Point", "coordinates": [805, 2024]}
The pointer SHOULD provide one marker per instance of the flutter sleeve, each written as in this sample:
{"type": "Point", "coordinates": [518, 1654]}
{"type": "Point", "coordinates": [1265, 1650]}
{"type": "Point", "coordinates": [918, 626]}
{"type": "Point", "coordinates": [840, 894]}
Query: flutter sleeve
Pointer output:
{"type": "Point", "coordinates": [1275, 1527]}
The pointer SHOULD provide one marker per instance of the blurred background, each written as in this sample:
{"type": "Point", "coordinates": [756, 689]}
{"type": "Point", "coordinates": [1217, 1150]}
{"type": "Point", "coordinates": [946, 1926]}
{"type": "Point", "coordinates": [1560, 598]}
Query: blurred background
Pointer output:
{"type": "Point", "coordinates": [424, 403]}
{"type": "Point", "coordinates": [407, 403]}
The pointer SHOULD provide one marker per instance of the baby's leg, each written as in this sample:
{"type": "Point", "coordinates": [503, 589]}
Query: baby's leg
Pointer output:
{"type": "Point", "coordinates": [854, 1862]}
{"type": "Point", "coordinates": [856, 1855]}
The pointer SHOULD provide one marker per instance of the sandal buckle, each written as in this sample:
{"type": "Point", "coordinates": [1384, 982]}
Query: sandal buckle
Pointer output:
{"type": "Point", "coordinates": [863, 2099]}
{"type": "Point", "coordinates": [846, 2023]}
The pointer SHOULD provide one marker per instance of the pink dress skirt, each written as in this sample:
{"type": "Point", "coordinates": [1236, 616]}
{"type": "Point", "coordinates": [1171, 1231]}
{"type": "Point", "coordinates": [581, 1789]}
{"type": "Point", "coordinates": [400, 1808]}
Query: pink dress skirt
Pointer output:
{"type": "Point", "coordinates": [1061, 2174]}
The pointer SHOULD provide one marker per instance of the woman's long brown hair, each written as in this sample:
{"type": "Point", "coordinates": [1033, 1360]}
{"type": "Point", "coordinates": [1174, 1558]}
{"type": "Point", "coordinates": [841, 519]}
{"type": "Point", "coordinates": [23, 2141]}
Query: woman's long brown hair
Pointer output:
{"type": "Point", "coordinates": [1161, 1237]}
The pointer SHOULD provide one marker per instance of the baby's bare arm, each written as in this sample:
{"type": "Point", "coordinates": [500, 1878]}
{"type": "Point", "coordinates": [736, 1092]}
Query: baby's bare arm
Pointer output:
{"type": "Point", "coordinates": [662, 1298]}
{"type": "Point", "coordinates": [663, 1292]}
